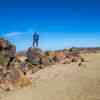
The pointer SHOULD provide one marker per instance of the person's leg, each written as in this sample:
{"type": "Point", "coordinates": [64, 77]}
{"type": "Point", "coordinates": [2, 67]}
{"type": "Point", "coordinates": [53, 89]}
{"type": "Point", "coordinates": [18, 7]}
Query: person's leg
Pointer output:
{"type": "Point", "coordinates": [37, 43]}
{"type": "Point", "coordinates": [33, 43]}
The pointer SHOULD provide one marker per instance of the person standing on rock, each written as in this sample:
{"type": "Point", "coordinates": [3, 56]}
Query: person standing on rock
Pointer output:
{"type": "Point", "coordinates": [35, 39]}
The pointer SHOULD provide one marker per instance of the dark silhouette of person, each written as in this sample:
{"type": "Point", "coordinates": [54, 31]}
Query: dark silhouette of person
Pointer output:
{"type": "Point", "coordinates": [35, 39]}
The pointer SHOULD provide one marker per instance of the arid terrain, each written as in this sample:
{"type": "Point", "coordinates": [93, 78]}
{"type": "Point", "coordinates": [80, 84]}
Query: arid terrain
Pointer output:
{"type": "Point", "coordinates": [63, 82]}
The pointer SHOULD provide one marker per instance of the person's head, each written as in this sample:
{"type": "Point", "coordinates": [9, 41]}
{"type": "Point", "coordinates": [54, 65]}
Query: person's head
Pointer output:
{"type": "Point", "coordinates": [35, 33]}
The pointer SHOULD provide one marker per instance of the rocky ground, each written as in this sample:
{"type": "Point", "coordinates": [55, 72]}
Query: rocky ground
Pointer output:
{"type": "Point", "coordinates": [64, 82]}
{"type": "Point", "coordinates": [44, 75]}
{"type": "Point", "coordinates": [17, 67]}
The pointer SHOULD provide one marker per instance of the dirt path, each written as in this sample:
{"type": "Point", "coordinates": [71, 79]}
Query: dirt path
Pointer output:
{"type": "Point", "coordinates": [64, 82]}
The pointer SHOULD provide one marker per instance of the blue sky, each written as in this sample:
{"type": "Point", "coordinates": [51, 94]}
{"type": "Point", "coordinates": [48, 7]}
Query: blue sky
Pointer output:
{"type": "Point", "coordinates": [60, 23]}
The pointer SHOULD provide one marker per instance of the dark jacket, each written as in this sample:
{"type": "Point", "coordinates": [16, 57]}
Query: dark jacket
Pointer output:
{"type": "Point", "coordinates": [35, 36]}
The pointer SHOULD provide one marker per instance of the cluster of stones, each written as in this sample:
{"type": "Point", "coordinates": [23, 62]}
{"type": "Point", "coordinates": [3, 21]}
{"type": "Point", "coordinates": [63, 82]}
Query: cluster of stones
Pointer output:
{"type": "Point", "coordinates": [26, 63]}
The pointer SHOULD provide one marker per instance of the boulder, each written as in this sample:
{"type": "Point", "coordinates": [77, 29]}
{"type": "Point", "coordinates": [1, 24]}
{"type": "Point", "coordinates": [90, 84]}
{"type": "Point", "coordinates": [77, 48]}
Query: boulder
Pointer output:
{"type": "Point", "coordinates": [51, 54]}
{"type": "Point", "coordinates": [7, 50]}
{"type": "Point", "coordinates": [59, 56]}
{"type": "Point", "coordinates": [34, 55]}
{"type": "Point", "coordinates": [44, 60]}
{"type": "Point", "coordinates": [3, 43]}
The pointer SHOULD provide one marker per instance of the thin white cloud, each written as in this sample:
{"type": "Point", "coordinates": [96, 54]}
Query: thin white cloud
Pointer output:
{"type": "Point", "coordinates": [11, 34]}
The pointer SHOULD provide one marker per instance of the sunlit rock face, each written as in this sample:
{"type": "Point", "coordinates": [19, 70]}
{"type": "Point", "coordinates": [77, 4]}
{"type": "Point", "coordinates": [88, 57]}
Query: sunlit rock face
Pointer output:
{"type": "Point", "coordinates": [7, 50]}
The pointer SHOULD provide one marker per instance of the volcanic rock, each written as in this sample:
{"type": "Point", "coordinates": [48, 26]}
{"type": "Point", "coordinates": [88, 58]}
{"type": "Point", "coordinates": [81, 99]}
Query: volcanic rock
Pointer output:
{"type": "Point", "coordinates": [7, 50]}
{"type": "Point", "coordinates": [33, 55]}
